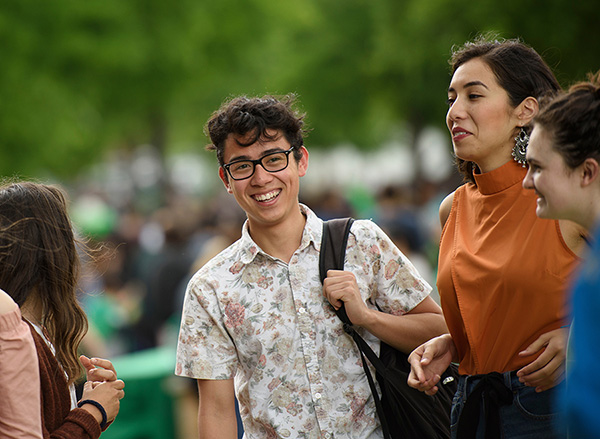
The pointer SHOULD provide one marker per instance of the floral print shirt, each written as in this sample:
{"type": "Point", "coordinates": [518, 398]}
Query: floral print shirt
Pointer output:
{"type": "Point", "coordinates": [266, 323]}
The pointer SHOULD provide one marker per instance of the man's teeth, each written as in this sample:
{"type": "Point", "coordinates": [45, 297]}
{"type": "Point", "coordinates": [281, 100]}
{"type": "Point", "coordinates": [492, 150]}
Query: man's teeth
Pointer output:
{"type": "Point", "coordinates": [460, 133]}
{"type": "Point", "coordinates": [266, 197]}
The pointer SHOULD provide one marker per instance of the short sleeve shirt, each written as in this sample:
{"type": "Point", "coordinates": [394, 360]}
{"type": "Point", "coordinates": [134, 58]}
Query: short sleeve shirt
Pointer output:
{"type": "Point", "coordinates": [265, 323]}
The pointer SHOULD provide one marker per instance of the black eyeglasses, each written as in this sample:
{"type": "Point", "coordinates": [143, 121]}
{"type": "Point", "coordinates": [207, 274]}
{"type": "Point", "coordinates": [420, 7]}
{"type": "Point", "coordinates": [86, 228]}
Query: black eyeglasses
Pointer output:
{"type": "Point", "coordinates": [272, 162]}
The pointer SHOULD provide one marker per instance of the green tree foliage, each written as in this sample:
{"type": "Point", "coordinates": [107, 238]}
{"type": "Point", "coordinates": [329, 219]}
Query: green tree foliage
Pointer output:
{"type": "Point", "coordinates": [79, 78]}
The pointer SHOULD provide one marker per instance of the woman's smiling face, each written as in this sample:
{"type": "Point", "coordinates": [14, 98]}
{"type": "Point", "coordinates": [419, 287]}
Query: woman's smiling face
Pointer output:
{"type": "Point", "coordinates": [549, 176]}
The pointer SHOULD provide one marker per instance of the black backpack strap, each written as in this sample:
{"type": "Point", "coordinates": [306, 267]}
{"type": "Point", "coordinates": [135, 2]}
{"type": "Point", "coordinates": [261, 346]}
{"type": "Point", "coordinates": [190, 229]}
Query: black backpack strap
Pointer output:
{"type": "Point", "coordinates": [333, 245]}
{"type": "Point", "coordinates": [331, 257]}
{"type": "Point", "coordinates": [333, 252]}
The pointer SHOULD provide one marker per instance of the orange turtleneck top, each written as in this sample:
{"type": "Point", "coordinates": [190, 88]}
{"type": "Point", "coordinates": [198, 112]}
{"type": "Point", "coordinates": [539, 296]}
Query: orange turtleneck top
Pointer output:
{"type": "Point", "coordinates": [503, 272]}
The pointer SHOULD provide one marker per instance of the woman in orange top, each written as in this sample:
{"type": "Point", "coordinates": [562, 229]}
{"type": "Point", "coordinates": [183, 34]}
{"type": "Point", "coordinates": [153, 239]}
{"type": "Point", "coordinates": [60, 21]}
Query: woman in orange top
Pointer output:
{"type": "Point", "coordinates": [502, 272]}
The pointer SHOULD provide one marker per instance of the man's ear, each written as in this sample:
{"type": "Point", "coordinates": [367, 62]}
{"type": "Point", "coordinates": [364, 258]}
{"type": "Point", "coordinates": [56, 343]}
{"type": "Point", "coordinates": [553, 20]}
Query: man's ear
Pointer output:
{"type": "Point", "coordinates": [527, 110]}
{"type": "Point", "coordinates": [590, 171]}
{"type": "Point", "coordinates": [303, 163]}
{"type": "Point", "coordinates": [224, 178]}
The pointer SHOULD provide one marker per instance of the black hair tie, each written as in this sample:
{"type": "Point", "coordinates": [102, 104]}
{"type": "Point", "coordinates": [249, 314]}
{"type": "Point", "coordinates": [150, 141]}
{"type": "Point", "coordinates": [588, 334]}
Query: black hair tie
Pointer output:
{"type": "Point", "coordinates": [99, 407]}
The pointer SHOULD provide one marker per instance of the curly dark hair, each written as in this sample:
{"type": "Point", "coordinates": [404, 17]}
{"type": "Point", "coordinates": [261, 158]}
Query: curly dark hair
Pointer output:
{"type": "Point", "coordinates": [519, 69]}
{"type": "Point", "coordinates": [573, 118]}
{"type": "Point", "coordinates": [243, 115]}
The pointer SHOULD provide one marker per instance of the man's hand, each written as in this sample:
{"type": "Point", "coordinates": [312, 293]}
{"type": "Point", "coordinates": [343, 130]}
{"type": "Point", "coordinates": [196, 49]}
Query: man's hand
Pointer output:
{"type": "Point", "coordinates": [340, 287]}
{"type": "Point", "coordinates": [429, 361]}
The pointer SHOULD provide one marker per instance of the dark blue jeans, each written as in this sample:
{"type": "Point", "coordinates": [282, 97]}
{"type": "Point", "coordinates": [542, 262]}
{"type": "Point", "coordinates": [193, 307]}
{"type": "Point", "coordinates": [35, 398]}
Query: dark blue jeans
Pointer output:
{"type": "Point", "coordinates": [530, 416]}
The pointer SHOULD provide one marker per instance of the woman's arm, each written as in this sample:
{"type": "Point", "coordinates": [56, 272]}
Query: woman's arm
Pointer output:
{"type": "Point", "coordinates": [445, 207]}
{"type": "Point", "coordinates": [20, 414]}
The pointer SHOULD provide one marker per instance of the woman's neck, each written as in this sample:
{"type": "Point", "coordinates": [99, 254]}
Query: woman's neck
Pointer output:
{"type": "Point", "coordinates": [490, 164]}
{"type": "Point", "coordinates": [32, 310]}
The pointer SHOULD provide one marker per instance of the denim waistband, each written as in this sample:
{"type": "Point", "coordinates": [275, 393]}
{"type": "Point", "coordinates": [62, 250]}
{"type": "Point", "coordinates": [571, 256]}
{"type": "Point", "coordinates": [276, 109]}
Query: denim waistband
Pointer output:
{"type": "Point", "coordinates": [510, 379]}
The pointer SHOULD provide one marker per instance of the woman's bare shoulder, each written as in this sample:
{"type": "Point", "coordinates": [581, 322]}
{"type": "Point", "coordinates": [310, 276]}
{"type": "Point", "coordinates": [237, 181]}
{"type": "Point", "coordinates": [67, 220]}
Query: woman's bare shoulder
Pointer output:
{"type": "Point", "coordinates": [445, 207]}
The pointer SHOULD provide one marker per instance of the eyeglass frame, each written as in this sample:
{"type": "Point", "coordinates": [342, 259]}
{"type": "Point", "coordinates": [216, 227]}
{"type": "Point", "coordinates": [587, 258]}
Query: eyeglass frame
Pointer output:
{"type": "Point", "coordinates": [226, 166]}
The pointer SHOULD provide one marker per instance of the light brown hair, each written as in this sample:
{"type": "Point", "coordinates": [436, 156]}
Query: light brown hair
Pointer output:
{"type": "Point", "coordinates": [39, 263]}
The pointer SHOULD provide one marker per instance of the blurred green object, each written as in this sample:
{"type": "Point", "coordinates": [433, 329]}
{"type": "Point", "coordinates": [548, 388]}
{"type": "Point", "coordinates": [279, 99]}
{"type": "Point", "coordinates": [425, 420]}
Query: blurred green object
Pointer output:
{"type": "Point", "coordinates": [93, 216]}
{"type": "Point", "coordinates": [147, 411]}
{"type": "Point", "coordinates": [362, 201]}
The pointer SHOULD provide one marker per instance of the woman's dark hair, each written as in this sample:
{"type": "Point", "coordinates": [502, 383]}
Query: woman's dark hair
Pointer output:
{"type": "Point", "coordinates": [39, 264]}
{"type": "Point", "coordinates": [518, 68]}
{"type": "Point", "coordinates": [573, 118]}
{"type": "Point", "coordinates": [243, 115]}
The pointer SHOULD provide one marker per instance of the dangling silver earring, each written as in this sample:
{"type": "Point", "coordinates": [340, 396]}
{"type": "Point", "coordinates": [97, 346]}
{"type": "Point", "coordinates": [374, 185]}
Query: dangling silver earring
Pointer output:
{"type": "Point", "coordinates": [519, 151]}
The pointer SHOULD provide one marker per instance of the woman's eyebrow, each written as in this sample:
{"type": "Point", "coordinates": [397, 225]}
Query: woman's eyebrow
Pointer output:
{"type": "Point", "coordinates": [470, 84]}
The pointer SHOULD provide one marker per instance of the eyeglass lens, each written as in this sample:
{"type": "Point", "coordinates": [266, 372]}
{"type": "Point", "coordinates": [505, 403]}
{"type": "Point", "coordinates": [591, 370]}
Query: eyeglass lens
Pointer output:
{"type": "Point", "coordinates": [276, 161]}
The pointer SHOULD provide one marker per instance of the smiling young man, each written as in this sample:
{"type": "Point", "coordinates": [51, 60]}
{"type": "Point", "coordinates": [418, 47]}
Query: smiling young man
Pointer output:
{"type": "Point", "coordinates": [257, 322]}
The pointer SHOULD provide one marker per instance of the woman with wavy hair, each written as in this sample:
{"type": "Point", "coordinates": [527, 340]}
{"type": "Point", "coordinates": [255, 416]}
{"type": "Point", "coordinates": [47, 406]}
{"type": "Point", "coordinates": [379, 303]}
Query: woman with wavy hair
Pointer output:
{"type": "Point", "coordinates": [39, 267]}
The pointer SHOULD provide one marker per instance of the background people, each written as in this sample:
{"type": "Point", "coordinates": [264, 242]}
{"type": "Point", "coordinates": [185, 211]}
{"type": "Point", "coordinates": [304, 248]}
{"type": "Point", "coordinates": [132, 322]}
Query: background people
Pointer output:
{"type": "Point", "coordinates": [564, 172]}
{"type": "Point", "coordinates": [256, 318]}
{"type": "Point", "coordinates": [504, 310]}
{"type": "Point", "coordinates": [38, 268]}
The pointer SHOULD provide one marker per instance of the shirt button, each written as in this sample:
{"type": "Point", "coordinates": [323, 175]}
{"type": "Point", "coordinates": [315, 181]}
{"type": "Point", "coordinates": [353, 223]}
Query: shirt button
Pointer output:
{"type": "Point", "coordinates": [301, 310]}
{"type": "Point", "coordinates": [317, 395]}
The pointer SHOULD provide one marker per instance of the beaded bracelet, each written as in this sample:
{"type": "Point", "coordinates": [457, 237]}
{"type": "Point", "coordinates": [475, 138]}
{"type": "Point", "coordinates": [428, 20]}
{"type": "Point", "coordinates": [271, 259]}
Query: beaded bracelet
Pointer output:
{"type": "Point", "coordinates": [99, 407]}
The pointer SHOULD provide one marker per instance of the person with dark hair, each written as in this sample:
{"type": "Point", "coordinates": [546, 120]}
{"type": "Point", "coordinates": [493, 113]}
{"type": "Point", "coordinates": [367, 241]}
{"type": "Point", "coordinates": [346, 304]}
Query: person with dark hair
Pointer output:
{"type": "Point", "coordinates": [19, 375]}
{"type": "Point", "coordinates": [502, 273]}
{"type": "Point", "coordinates": [564, 172]}
{"type": "Point", "coordinates": [257, 321]}
{"type": "Point", "coordinates": [39, 269]}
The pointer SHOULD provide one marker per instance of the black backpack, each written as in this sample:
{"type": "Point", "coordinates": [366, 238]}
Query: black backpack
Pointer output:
{"type": "Point", "coordinates": [404, 412]}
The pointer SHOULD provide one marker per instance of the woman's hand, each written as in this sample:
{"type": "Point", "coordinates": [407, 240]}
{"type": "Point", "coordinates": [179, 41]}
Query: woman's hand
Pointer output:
{"type": "Point", "coordinates": [102, 386]}
{"type": "Point", "coordinates": [429, 361]}
{"type": "Point", "coordinates": [108, 394]}
{"type": "Point", "coordinates": [98, 369]}
{"type": "Point", "coordinates": [549, 368]}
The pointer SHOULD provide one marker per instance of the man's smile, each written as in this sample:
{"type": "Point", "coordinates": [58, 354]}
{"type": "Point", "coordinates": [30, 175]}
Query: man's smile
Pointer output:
{"type": "Point", "coordinates": [268, 196]}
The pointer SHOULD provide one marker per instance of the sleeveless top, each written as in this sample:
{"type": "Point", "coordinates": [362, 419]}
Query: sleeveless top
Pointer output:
{"type": "Point", "coordinates": [503, 272]}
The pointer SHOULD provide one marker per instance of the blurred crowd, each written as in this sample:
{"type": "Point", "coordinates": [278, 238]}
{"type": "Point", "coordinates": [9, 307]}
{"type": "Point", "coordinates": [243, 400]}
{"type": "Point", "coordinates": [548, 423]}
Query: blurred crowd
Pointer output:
{"type": "Point", "coordinates": [151, 238]}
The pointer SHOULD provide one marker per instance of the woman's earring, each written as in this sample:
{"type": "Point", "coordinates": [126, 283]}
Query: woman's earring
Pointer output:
{"type": "Point", "coordinates": [519, 151]}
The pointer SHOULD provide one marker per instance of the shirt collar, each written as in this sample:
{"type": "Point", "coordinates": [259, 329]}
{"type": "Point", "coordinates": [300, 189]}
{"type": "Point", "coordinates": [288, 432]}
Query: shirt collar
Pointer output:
{"type": "Point", "coordinates": [313, 229]}
{"type": "Point", "coordinates": [501, 178]}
